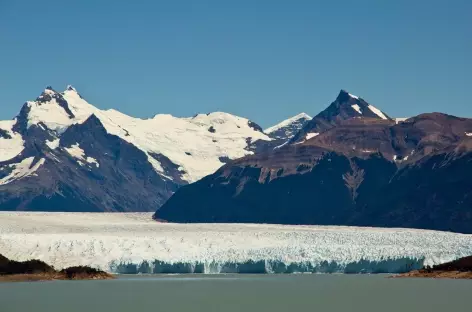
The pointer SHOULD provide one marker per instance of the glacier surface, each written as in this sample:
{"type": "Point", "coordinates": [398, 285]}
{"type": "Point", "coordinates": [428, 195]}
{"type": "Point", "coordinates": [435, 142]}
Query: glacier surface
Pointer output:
{"type": "Point", "coordinates": [134, 243]}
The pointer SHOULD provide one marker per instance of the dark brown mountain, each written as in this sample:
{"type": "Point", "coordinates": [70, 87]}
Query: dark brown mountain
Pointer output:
{"type": "Point", "coordinates": [345, 107]}
{"type": "Point", "coordinates": [359, 170]}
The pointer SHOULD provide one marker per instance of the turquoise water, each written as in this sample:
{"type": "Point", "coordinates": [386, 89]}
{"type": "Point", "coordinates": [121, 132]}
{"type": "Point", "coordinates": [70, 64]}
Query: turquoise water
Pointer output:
{"type": "Point", "coordinates": [307, 292]}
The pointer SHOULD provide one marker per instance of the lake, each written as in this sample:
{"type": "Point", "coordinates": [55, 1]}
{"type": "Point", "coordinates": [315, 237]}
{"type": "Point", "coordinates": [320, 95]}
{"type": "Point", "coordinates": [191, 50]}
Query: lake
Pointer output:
{"type": "Point", "coordinates": [227, 293]}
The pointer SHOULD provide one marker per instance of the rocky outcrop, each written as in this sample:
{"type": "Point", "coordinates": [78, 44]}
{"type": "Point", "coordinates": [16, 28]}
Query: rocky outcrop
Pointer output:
{"type": "Point", "coordinates": [36, 270]}
{"type": "Point", "coordinates": [457, 269]}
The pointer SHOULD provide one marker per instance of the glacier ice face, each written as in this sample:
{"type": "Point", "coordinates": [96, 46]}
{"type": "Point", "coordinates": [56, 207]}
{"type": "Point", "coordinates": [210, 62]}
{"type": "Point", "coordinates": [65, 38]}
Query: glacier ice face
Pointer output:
{"type": "Point", "coordinates": [134, 243]}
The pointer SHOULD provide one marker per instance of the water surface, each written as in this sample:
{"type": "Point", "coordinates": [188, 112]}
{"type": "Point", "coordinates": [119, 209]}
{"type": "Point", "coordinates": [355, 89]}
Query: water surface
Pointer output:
{"type": "Point", "coordinates": [221, 293]}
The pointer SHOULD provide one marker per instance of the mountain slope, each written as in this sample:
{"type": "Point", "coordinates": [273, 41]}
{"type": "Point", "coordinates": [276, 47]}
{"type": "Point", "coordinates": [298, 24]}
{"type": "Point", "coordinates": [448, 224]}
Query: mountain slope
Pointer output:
{"type": "Point", "coordinates": [362, 171]}
{"type": "Point", "coordinates": [62, 153]}
{"type": "Point", "coordinates": [87, 170]}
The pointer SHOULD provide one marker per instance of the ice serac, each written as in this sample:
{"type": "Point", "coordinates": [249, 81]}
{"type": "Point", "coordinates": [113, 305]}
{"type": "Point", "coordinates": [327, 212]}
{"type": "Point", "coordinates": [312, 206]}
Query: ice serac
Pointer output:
{"type": "Point", "coordinates": [159, 154]}
{"type": "Point", "coordinates": [133, 243]}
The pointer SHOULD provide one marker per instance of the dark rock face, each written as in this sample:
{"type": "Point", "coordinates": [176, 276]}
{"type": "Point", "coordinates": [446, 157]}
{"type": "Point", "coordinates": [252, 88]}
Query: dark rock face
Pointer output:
{"type": "Point", "coordinates": [22, 119]}
{"type": "Point", "coordinates": [117, 177]}
{"type": "Point", "coordinates": [255, 126]}
{"type": "Point", "coordinates": [319, 195]}
{"type": "Point", "coordinates": [4, 134]}
{"type": "Point", "coordinates": [170, 169]}
{"type": "Point", "coordinates": [359, 171]}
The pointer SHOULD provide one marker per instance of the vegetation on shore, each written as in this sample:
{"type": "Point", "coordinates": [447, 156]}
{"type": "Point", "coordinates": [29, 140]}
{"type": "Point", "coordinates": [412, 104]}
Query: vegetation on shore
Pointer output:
{"type": "Point", "coordinates": [457, 269]}
{"type": "Point", "coordinates": [36, 270]}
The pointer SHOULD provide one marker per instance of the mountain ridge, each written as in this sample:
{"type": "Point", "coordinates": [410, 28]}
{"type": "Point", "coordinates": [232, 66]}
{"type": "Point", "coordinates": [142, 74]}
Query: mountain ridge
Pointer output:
{"type": "Point", "coordinates": [61, 150]}
{"type": "Point", "coordinates": [357, 170]}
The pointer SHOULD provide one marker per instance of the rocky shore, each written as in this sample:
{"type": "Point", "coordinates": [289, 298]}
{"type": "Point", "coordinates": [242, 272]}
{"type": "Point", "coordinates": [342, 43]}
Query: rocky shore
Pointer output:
{"type": "Point", "coordinates": [458, 269]}
{"type": "Point", "coordinates": [36, 270]}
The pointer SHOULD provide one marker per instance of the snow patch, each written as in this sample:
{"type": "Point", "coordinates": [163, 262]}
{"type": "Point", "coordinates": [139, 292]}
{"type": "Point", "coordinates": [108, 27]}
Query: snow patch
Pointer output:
{"type": "Point", "coordinates": [468, 133]}
{"type": "Point", "coordinates": [76, 152]}
{"type": "Point", "coordinates": [189, 142]}
{"type": "Point", "coordinates": [50, 113]}
{"type": "Point", "coordinates": [53, 144]}
{"type": "Point", "coordinates": [22, 169]}
{"type": "Point", "coordinates": [357, 108]}
{"type": "Point", "coordinates": [399, 120]}
{"type": "Point", "coordinates": [311, 135]}
{"type": "Point", "coordinates": [282, 145]}
{"type": "Point", "coordinates": [49, 91]}
{"type": "Point", "coordinates": [10, 147]}
{"type": "Point", "coordinates": [377, 111]}
{"type": "Point", "coordinates": [353, 96]}
{"type": "Point", "coordinates": [133, 243]}
{"type": "Point", "coordinates": [400, 159]}
{"type": "Point", "coordinates": [287, 122]}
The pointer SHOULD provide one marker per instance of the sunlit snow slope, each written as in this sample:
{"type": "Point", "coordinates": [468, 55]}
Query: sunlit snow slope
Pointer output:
{"type": "Point", "coordinates": [133, 243]}
{"type": "Point", "coordinates": [196, 144]}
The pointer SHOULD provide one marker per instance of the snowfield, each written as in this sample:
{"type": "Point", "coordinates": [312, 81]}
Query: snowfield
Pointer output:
{"type": "Point", "coordinates": [133, 243]}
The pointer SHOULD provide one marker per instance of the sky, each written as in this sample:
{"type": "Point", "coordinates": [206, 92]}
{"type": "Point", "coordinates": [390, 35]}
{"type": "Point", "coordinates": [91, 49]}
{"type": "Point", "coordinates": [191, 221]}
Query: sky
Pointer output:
{"type": "Point", "coordinates": [264, 60]}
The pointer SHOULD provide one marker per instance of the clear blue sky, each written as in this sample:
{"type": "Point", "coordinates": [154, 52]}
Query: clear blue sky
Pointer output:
{"type": "Point", "coordinates": [265, 60]}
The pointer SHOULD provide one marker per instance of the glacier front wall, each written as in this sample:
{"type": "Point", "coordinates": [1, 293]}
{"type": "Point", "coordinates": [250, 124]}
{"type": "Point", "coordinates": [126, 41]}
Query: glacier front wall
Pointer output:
{"type": "Point", "coordinates": [399, 265]}
{"type": "Point", "coordinates": [134, 243]}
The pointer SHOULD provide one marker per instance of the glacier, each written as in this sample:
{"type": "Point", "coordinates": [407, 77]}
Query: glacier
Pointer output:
{"type": "Point", "coordinates": [132, 243]}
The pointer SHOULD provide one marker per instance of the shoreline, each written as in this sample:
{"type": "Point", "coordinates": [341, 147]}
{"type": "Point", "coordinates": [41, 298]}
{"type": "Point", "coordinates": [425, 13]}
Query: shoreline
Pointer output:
{"type": "Point", "coordinates": [36, 270]}
{"type": "Point", "coordinates": [435, 274]}
{"type": "Point", "coordinates": [44, 277]}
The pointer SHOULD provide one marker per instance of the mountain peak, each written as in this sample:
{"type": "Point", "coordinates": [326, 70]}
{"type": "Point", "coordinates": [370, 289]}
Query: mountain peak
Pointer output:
{"type": "Point", "coordinates": [71, 88]}
{"type": "Point", "coordinates": [285, 130]}
{"type": "Point", "coordinates": [344, 96]}
{"type": "Point", "coordinates": [300, 118]}
{"type": "Point", "coordinates": [46, 95]}
{"type": "Point", "coordinates": [346, 106]}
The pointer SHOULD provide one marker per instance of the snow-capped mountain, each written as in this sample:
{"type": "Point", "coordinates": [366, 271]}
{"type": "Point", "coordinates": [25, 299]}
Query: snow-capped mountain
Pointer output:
{"type": "Point", "coordinates": [285, 130]}
{"type": "Point", "coordinates": [61, 147]}
{"type": "Point", "coordinates": [196, 145]}
{"type": "Point", "coordinates": [345, 107]}
{"type": "Point", "coordinates": [349, 165]}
